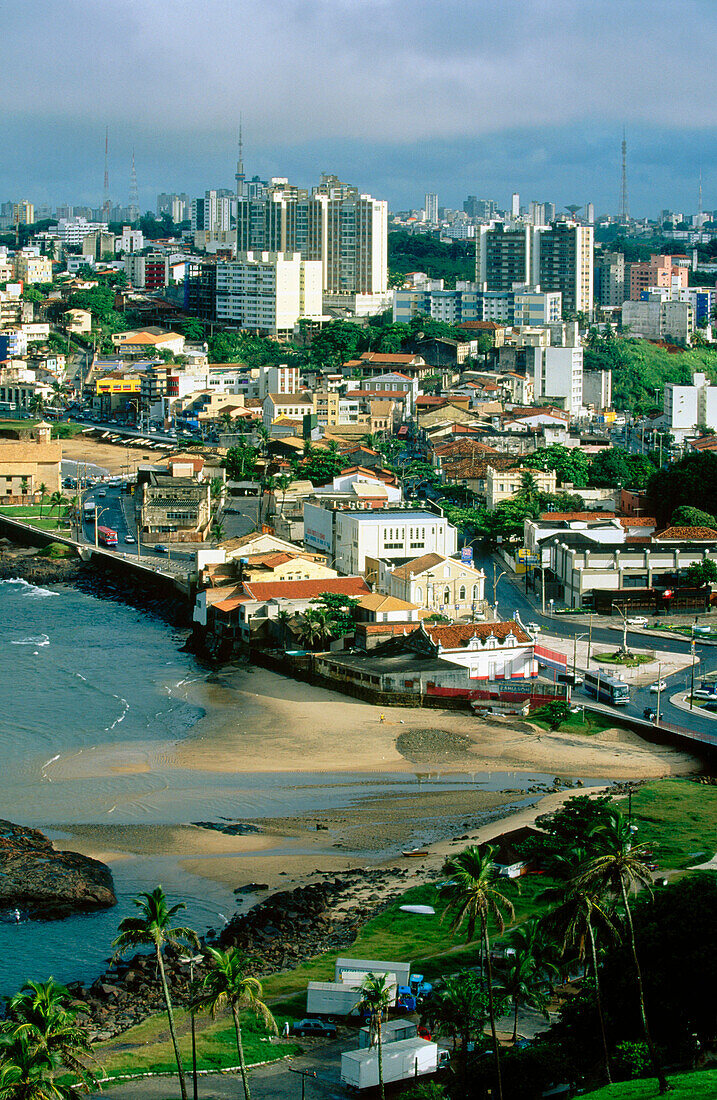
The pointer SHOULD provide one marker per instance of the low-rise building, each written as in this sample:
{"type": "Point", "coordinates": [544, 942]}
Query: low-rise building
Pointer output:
{"type": "Point", "coordinates": [438, 585]}
{"type": "Point", "coordinates": [172, 508]}
{"type": "Point", "coordinates": [26, 464]}
{"type": "Point", "coordinates": [503, 484]}
{"type": "Point", "coordinates": [144, 341]}
{"type": "Point", "coordinates": [78, 321]}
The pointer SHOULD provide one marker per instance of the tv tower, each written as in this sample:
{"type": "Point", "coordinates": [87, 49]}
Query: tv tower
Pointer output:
{"type": "Point", "coordinates": [239, 175]}
{"type": "Point", "coordinates": [106, 188]}
{"type": "Point", "coordinates": [624, 204]}
{"type": "Point", "coordinates": [133, 194]}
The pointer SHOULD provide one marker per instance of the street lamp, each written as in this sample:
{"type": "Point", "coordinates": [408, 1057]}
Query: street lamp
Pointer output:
{"type": "Point", "coordinates": [98, 512]}
{"type": "Point", "coordinates": [576, 639]}
{"type": "Point", "coordinates": [624, 626]}
{"type": "Point", "coordinates": [495, 589]}
{"type": "Point", "coordinates": [191, 960]}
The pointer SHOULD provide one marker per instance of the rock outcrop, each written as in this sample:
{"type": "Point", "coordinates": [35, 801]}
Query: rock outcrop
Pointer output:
{"type": "Point", "coordinates": [44, 884]}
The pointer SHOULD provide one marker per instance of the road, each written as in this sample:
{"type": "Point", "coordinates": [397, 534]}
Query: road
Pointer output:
{"type": "Point", "coordinates": [117, 511]}
{"type": "Point", "coordinates": [511, 597]}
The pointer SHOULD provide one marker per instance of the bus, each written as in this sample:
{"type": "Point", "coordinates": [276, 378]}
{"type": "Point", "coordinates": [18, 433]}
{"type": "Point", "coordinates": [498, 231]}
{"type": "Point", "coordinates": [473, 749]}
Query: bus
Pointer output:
{"type": "Point", "coordinates": [89, 510]}
{"type": "Point", "coordinates": [607, 688]}
{"type": "Point", "coordinates": [106, 536]}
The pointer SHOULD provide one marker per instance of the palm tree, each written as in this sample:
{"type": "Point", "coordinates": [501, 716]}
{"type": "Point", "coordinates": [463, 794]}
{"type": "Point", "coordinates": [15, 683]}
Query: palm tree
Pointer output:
{"type": "Point", "coordinates": [218, 531]}
{"type": "Point", "coordinates": [30, 1074]}
{"type": "Point", "coordinates": [283, 481]}
{"type": "Point", "coordinates": [153, 928]}
{"type": "Point", "coordinates": [525, 982]}
{"type": "Point", "coordinates": [376, 998]}
{"type": "Point", "coordinates": [59, 501]}
{"type": "Point", "coordinates": [472, 897]}
{"type": "Point", "coordinates": [579, 908]}
{"type": "Point", "coordinates": [45, 1015]}
{"type": "Point", "coordinates": [529, 489]}
{"type": "Point", "coordinates": [227, 983]}
{"type": "Point", "coordinates": [36, 404]}
{"type": "Point", "coordinates": [620, 868]}
{"type": "Point", "coordinates": [458, 1005]}
{"type": "Point", "coordinates": [43, 494]}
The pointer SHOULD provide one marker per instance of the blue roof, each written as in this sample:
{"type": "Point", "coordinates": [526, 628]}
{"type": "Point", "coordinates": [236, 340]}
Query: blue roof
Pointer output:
{"type": "Point", "coordinates": [389, 514]}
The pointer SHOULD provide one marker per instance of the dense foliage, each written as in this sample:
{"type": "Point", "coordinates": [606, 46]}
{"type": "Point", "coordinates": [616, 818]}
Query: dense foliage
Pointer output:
{"type": "Point", "coordinates": [420, 252]}
{"type": "Point", "coordinates": [690, 481]}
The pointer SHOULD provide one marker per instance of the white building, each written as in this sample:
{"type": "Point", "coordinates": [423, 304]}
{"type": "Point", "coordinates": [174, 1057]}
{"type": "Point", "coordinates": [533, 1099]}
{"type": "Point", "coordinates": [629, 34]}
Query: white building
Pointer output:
{"type": "Point", "coordinates": [558, 372]}
{"type": "Point", "coordinates": [387, 534]}
{"type": "Point", "coordinates": [533, 306]}
{"type": "Point", "coordinates": [131, 240]}
{"type": "Point", "coordinates": [430, 208]}
{"type": "Point", "coordinates": [73, 231]}
{"type": "Point", "coordinates": [278, 378]}
{"type": "Point", "coordinates": [688, 408]}
{"type": "Point", "coordinates": [294, 406]}
{"type": "Point", "coordinates": [32, 268]}
{"type": "Point", "coordinates": [268, 292]}
{"type": "Point", "coordinates": [597, 389]}
{"type": "Point", "coordinates": [438, 584]}
{"type": "Point", "coordinates": [489, 651]}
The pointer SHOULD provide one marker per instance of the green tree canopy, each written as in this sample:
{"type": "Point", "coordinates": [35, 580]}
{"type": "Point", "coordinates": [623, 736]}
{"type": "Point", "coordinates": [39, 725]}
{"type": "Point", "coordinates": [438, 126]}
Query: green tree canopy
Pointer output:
{"type": "Point", "coordinates": [687, 516]}
{"type": "Point", "coordinates": [569, 463]}
{"type": "Point", "coordinates": [701, 573]}
{"type": "Point", "coordinates": [690, 481]}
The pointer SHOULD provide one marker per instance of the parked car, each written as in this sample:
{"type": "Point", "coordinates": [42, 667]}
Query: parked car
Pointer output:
{"type": "Point", "coordinates": [534, 628]}
{"type": "Point", "coordinates": [102, 493]}
{"type": "Point", "coordinates": [311, 1026]}
{"type": "Point", "coordinates": [704, 693]}
{"type": "Point", "coordinates": [160, 548]}
{"type": "Point", "coordinates": [659, 685]}
{"type": "Point", "coordinates": [638, 620]}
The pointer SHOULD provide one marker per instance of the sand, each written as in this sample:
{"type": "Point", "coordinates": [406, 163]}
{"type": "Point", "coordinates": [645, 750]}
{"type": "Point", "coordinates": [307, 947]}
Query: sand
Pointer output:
{"type": "Point", "coordinates": [113, 457]}
{"type": "Point", "coordinates": [286, 726]}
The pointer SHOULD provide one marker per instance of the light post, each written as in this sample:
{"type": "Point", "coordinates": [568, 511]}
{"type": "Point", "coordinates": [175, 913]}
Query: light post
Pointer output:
{"type": "Point", "coordinates": [98, 512]}
{"type": "Point", "coordinates": [659, 693]}
{"type": "Point", "coordinates": [576, 639]}
{"type": "Point", "coordinates": [495, 589]}
{"type": "Point", "coordinates": [692, 668]}
{"type": "Point", "coordinates": [304, 1074]}
{"type": "Point", "coordinates": [191, 960]}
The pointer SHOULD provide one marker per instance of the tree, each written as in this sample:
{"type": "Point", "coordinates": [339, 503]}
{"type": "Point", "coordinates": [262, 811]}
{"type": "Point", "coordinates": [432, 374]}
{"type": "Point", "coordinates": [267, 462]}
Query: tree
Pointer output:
{"type": "Point", "coordinates": [227, 983]}
{"type": "Point", "coordinates": [472, 899]}
{"type": "Point", "coordinates": [556, 712]}
{"type": "Point", "coordinates": [154, 928]}
{"type": "Point", "coordinates": [29, 1074]}
{"type": "Point", "coordinates": [320, 466]}
{"type": "Point", "coordinates": [283, 481]}
{"type": "Point", "coordinates": [687, 516]}
{"type": "Point", "coordinates": [336, 343]}
{"type": "Point", "coordinates": [340, 611]}
{"type": "Point", "coordinates": [58, 501]}
{"type": "Point", "coordinates": [376, 999]}
{"type": "Point", "coordinates": [240, 462]}
{"type": "Point", "coordinates": [44, 1016]}
{"type": "Point", "coordinates": [525, 982]}
{"type": "Point", "coordinates": [36, 404]}
{"type": "Point", "coordinates": [458, 1007]}
{"type": "Point", "coordinates": [192, 328]}
{"type": "Point", "coordinates": [700, 573]}
{"type": "Point", "coordinates": [43, 494]}
{"type": "Point", "coordinates": [578, 910]}
{"type": "Point", "coordinates": [690, 481]}
{"type": "Point", "coordinates": [570, 463]}
{"type": "Point", "coordinates": [620, 868]}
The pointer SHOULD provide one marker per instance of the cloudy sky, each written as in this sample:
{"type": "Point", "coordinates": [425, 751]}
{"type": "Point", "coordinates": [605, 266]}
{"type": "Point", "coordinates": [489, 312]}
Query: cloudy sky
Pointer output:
{"type": "Point", "coordinates": [399, 97]}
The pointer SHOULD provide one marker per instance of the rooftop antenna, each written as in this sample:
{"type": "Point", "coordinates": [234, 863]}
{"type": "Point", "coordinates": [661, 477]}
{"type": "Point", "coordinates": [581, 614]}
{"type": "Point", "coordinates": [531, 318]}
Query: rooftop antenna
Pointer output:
{"type": "Point", "coordinates": [239, 175]}
{"type": "Point", "coordinates": [106, 188]}
{"type": "Point", "coordinates": [624, 204]}
{"type": "Point", "coordinates": [133, 193]}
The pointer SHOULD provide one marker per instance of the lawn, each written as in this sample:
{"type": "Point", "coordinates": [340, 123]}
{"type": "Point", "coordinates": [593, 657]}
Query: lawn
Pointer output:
{"type": "Point", "coordinates": [678, 818]}
{"type": "Point", "coordinates": [617, 658]}
{"type": "Point", "coordinates": [686, 1086]}
{"type": "Point", "coordinates": [47, 521]}
{"type": "Point", "coordinates": [64, 429]}
{"type": "Point", "coordinates": [586, 722]}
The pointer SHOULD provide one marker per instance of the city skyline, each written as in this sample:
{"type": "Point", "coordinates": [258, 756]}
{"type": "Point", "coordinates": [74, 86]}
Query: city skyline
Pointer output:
{"type": "Point", "coordinates": [399, 99]}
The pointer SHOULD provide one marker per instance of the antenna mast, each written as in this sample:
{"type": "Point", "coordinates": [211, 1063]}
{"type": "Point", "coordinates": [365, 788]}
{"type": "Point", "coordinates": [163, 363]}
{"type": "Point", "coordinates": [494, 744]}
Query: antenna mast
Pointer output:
{"type": "Point", "coordinates": [239, 176]}
{"type": "Point", "coordinates": [133, 194]}
{"type": "Point", "coordinates": [624, 204]}
{"type": "Point", "coordinates": [106, 189]}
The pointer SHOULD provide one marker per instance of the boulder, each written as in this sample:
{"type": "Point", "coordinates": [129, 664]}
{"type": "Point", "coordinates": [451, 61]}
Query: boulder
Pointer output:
{"type": "Point", "coordinates": [44, 884]}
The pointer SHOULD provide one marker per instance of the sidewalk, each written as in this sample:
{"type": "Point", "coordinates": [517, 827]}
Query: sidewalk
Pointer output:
{"type": "Point", "coordinates": [667, 662]}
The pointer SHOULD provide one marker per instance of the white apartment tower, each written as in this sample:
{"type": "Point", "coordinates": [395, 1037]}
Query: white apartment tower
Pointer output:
{"type": "Point", "coordinates": [267, 292]}
{"type": "Point", "coordinates": [430, 208]}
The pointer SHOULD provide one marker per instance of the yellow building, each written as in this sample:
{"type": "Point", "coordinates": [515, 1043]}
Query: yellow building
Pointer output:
{"type": "Point", "coordinates": [113, 385]}
{"type": "Point", "coordinates": [33, 269]}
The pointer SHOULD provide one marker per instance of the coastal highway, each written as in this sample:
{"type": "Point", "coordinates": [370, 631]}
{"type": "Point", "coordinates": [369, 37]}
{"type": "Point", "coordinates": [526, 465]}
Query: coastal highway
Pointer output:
{"type": "Point", "coordinates": [511, 597]}
{"type": "Point", "coordinates": [117, 512]}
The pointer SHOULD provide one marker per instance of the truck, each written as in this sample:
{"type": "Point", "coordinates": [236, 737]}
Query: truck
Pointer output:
{"type": "Point", "coordinates": [332, 999]}
{"type": "Point", "coordinates": [348, 969]}
{"type": "Point", "coordinates": [419, 987]}
{"type": "Point", "coordinates": [402, 1061]}
{"type": "Point", "coordinates": [392, 1031]}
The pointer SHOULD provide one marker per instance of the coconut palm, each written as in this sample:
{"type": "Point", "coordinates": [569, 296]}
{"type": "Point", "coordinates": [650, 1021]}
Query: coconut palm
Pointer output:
{"type": "Point", "coordinates": [227, 983]}
{"type": "Point", "coordinates": [46, 1015]}
{"type": "Point", "coordinates": [43, 494]}
{"type": "Point", "coordinates": [579, 909]}
{"type": "Point", "coordinates": [36, 404]}
{"type": "Point", "coordinates": [620, 868]}
{"type": "Point", "coordinates": [154, 928]}
{"type": "Point", "coordinates": [525, 983]}
{"type": "Point", "coordinates": [376, 999]}
{"type": "Point", "coordinates": [473, 899]}
{"type": "Point", "coordinates": [59, 501]}
{"type": "Point", "coordinates": [459, 1007]}
{"type": "Point", "coordinates": [283, 481]}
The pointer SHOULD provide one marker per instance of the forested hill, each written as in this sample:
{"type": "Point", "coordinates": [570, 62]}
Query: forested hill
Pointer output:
{"type": "Point", "coordinates": [419, 252]}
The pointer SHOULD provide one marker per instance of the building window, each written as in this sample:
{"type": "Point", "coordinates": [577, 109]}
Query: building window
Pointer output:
{"type": "Point", "coordinates": [446, 594]}
{"type": "Point", "coordinates": [462, 592]}
{"type": "Point", "coordinates": [475, 591]}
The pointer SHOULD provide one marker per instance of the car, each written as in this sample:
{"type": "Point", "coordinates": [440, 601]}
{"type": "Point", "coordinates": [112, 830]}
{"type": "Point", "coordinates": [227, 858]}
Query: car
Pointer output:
{"type": "Point", "coordinates": [638, 620]}
{"type": "Point", "coordinates": [710, 706]}
{"type": "Point", "coordinates": [534, 628]}
{"type": "Point", "coordinates": [314, 1027]}
{"type": "Point", "coordinates": [704, 693]}
{"type": "Point", "coordinates": [102, 493]}
{"type": "Point", "coordinates": [130, 538]}
{"type": "Point", "coordinates": [160, 548]}
{"type": "Point", "coordinates": [659, 685]}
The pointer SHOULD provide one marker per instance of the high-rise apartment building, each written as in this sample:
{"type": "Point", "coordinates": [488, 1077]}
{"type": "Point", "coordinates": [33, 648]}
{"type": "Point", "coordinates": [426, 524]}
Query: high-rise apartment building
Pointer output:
{"type": "Point", "coordinates": [515, 205]}
{"type": "Point", "coordinates": [609, 279]}
{"type": "Point", "coordinates": [565, 263]}
{"type": "Point", "coordinates": [658, 271]}
{"type": "Point", "coordinates": [430, 208]}
{"type": "Point", "coordinates": [503, 256]}
{"type": "Point", "coordinates": [23, 213]}
{"type": "Point", "coordinates": [268, 292]}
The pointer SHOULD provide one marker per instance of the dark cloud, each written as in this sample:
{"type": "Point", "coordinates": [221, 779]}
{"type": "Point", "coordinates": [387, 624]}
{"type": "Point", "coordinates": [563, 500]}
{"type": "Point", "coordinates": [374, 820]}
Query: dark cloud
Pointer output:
{"type": "Point", "coordinates": [459, 96]}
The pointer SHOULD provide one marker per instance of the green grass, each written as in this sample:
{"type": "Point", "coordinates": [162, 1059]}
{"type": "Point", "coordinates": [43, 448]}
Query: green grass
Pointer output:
{"type": "Point", "coordinates": [64, 429]}
{"type": "Point", "coordinates": [586, 723]}
{"type": "Point", "coordinates": [678, 818]}
{"type": "Point", "coordinates": [686, 1086]}
{"type": "Point", "coordinates": [147, 1048]}
{"type": "Point", "coordinates": [48, 521]}
{"type": "Point", "coordinates": [619, 659]}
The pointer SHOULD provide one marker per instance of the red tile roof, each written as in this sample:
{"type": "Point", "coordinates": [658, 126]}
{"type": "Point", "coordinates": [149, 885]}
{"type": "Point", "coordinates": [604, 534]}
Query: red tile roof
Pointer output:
{"type": "Point", "coordinates": [385, 357]}
{"type": "Point", "coordinates": [638, 521]}
{"type": "Point", "coordinates": [458, 635]}
{"type": "Point", "coordinates": [688, 534]}
{"type": "Point", "coordinates": [306, 590]}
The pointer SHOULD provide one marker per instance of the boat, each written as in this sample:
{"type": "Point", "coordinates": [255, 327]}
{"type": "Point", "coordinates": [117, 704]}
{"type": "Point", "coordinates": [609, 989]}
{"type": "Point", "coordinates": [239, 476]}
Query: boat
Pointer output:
{"type": "Point", "coordinates": [414, 853]}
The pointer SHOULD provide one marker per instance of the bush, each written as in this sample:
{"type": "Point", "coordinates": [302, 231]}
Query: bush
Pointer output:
{"type": "Point", "coordinates": [56, 550]}
{"type": "Point", "coordinates": [630, 1060]}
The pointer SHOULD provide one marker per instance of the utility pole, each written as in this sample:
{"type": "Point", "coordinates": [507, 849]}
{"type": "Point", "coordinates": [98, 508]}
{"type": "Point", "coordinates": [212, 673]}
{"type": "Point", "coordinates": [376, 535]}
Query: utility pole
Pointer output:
{"type": "Point", "coordinates": [692, 670]}
{"type": "Point", "coordinates": [590, 639]}
{"type": "Point", "coordinates": [659, 693]}
{"type": "Point", "coordinates": [542, 587]}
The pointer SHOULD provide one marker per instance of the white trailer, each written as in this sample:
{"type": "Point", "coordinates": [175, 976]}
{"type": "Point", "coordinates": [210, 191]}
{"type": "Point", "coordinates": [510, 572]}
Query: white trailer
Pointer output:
{"type": "Point", "coordinates": [392, 1031]}
{"type": "Point", "coordinates": [347, 967]}
{"type": "Point", "coordinates": [331, 999]}
{"type": "Point", "coordinates": [401, 1061]}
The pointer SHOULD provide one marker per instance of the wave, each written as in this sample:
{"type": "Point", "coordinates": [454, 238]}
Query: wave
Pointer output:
{"type": "Point", "coordinates": [34, 639]}
{"type": "Point", "coordinates": [122, 716]}
{"type": "Point", "coordinates": [31, 589]}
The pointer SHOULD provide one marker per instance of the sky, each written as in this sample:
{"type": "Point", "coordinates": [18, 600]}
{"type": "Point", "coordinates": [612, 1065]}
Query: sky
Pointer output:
{"type": "Point", "coordinates": [398, 97]}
